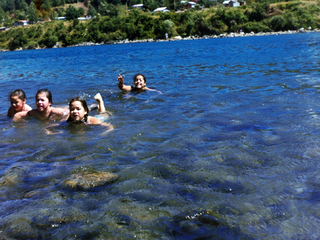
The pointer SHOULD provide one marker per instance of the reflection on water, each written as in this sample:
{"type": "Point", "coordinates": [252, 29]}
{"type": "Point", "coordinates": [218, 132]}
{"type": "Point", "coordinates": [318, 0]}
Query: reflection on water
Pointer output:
{"type": "Point", "coordinates": [229, 150]}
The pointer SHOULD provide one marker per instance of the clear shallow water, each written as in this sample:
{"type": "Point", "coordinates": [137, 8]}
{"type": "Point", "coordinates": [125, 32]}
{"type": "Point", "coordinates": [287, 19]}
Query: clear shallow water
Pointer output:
{"type": "Point", "coordinates": [229, 150]}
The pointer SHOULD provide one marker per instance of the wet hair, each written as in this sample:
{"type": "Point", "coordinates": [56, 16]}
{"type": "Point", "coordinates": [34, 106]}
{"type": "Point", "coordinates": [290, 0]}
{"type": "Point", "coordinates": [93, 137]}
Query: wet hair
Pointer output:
{"type": "Point", "coordinates": [19, 93]}
{"type": "Point", "coordinates": [47, 92]}
{"type": "Point", "coordinates": [84, 105]}
{"type": "Point", "coordinates": [139, 74]}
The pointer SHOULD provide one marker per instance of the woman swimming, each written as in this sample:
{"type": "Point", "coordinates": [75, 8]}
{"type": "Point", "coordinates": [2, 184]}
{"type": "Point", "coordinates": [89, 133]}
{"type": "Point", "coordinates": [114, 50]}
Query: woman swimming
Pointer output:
{"type": "Point", "coordinates": [44, 111]}
{"type": "Point", "coordinates": [18, 101]}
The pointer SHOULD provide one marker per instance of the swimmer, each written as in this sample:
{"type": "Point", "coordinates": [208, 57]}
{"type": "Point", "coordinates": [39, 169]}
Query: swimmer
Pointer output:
{"type": "Point", "coordinates": [18, 101]}
{"type": "Point", "coordinates": [44, 111]}
{"type": "Point", "coordinates": [140, 83]}
{"type": "Point", "coordinates": [79, 114]}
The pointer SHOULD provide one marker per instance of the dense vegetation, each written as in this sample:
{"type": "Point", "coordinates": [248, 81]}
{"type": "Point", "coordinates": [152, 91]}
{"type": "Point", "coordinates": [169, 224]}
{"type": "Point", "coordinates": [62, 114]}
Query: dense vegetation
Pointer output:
{"type": "Point", "coordinates": [112, 21]}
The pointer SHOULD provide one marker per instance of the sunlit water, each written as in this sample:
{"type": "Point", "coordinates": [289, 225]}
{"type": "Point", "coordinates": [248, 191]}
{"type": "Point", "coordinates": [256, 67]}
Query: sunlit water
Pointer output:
{"type": "Point", "coordinates": [229, 150]}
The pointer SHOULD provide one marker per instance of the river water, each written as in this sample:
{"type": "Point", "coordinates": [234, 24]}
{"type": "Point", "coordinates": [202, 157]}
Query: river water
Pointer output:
{"type": "Point", "coordinates": [228, 150]}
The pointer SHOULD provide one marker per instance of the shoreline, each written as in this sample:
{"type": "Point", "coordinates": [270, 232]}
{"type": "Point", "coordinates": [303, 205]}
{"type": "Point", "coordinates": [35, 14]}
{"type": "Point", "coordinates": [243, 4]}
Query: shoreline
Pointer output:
{"type": "Point", "coordinates": [177, 38]}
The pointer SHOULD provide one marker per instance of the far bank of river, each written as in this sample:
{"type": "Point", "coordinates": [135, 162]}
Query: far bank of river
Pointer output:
{"type": "Point", "coordinates": [179, 38]}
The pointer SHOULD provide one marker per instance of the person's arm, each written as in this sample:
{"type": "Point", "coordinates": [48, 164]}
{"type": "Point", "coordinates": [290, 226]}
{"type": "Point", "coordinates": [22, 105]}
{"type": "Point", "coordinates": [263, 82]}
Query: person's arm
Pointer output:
{"type": "Point", "coordinates": [121, 84]}
{"type": "Point", "coordinates": [60, 114]}
{"type": "Point", "coordinates": [18, 117]}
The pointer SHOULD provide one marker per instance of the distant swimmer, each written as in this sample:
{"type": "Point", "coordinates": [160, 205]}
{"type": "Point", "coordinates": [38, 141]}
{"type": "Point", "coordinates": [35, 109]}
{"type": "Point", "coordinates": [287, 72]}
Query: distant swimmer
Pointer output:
{"type": "Point", "coordinates": [18, 101]}
{"type": "Point", "coordinates": [79, 114]}
{"type": "Point", "coordinates": [140, 83]}
{"type": "Point", "coordinates": [44, 111]}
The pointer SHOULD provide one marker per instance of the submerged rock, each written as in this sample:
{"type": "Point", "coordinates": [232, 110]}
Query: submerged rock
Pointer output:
{"type": "Point", "coordinates": [90, 180]}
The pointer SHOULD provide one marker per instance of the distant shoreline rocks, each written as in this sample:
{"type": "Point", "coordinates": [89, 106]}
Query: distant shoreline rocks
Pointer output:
{"type": "Point", "coordinates": [179, 38]}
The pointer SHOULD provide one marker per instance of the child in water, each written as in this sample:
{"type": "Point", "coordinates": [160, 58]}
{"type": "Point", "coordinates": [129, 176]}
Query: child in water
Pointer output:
{"type": "Point", "coordinates": [79, 113]}
{"type": "Point", "coordinates": [18, 101]}
{"type": "Point", "coordinates": [44, 111]}
{"type": "Point", "coordinates": [140, 83]}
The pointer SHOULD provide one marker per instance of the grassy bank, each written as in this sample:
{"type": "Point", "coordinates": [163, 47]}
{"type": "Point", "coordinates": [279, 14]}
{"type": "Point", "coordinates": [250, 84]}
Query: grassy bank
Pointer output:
{"type": "Point", "coordinates": [138, 25]}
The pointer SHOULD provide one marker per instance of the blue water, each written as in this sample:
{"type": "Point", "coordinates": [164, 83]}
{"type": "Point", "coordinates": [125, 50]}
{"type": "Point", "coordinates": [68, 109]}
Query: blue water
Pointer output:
{"type": "Point", "coordinates": [229, 150]}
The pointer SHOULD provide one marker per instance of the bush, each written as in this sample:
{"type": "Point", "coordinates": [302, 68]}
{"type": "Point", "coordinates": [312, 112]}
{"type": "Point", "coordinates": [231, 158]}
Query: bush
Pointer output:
{"type": "Point", "coordinates": [167, 27]}
{"type": "Point", "coordinates": [277, 23]}
{"type": "Point", "coordinates": [254, 27]}
{"type": "Point", "coordinates": [32, 45]}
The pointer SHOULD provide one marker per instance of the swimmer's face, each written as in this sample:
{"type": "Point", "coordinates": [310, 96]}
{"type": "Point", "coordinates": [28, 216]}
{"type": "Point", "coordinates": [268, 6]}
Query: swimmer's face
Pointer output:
{"type": "Point", "coordinates": [77, 111]}
{"type": "Point", "coordinates": [17, 104]}
{"type": "Point", "coordinates": [139, 82]}
{"type": "Point", "coordinates": [42, 102]}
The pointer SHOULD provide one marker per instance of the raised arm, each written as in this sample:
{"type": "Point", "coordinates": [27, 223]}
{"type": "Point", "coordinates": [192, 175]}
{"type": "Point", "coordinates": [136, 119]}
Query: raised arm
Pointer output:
{"type": "Point", "coordinates": [121, 84]}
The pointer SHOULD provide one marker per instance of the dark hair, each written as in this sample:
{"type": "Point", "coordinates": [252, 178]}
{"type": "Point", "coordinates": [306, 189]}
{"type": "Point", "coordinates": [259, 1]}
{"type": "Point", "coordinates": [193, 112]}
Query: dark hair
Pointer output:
{"type": "Point", "coordinates": [139, 74]}
{"type": "Point", "coordinates": [84, 105]}
{"type": "Point", "coordinates": [18, 92]}
{"type": "Point", "coordinates": [48, 93]}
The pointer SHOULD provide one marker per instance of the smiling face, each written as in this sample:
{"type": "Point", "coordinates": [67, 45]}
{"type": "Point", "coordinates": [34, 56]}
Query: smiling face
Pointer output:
{"type": "Point", "coordinates": [42, 102]}
{"type": "Point", "coordinates": [17, 104]}
{"type": "Point", "coordinates": [77, 111]}
{"type": "Point", "coordinates": [139, 82]}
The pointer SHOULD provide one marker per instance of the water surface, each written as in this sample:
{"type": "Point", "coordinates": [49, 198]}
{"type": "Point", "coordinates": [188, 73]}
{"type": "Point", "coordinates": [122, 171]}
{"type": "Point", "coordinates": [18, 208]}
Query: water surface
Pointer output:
{"type": "Point", "coordinates": [229, 150]}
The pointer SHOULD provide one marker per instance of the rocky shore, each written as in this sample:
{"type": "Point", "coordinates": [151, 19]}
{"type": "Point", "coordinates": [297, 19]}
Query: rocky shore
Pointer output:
{"type": "Point", "coordinates": [179, 38]}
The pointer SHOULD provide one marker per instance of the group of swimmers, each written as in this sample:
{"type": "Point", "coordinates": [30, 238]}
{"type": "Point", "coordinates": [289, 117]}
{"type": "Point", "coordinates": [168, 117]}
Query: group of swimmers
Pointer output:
{"type": "Point", "coordinates": [78, 112]}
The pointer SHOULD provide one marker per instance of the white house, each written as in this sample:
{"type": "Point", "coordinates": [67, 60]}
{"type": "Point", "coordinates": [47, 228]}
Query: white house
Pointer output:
{"type": "Point", "coordinates": [60, 18]}
{"type": "Point", "coordinates": [21, 23]}
{"type": "Point", "coordinates": [190, 5]}
{"type": "Point", "coordinates": [138, 6]}
{"type": "Point", "coordinates": [231, 3]}
{"type": "Point", "coordinates": [161, 9]}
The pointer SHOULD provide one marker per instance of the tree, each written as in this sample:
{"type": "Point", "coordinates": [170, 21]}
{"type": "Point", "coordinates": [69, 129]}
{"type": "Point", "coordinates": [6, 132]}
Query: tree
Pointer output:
{"type": "Point", "coordinates": [46, 8]}
{"type": "Point", "coordinates": [20, 4]}
{"type": "Point", "coordinates": [81, 12]}
{"type": "Point", "coordinates": [168, 27]}
{"type": "Point", "coordinates": [32, 14]}
{"type": "Point", "coordinates": [2, 14]}
{"type": "Point", "coordinates": [18, 40]}
{"type": "Point", "coordinates": [71, 13]}
{"type": "Point", "coordinates": [91, 11]}
{"type": "Point", "coordinates": [277, 23]}
{"type": "Point", "coordinates": [106, 9]}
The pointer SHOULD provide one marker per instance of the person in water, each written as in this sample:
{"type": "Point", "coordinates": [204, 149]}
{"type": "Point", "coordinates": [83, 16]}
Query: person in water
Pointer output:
{"type": "Point", "coordinates": [79, 113]}
{"type": "Point", "coordinates": [18, 101]}
{"type": "Point", "coordinates": [44, 111]}
{"type": "Point", "coordinates": [140, 83]}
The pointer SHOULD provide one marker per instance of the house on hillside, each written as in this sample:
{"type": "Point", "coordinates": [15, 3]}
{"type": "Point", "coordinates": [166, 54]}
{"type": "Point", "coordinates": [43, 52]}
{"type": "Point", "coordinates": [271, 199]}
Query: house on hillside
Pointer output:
{"type": "Point", "coordinates": [190, 5]}
{"type": "Point", "coordinates": [138, 6]}
{"type": "Point", "coordinates": [21, 23]}
{"type": "Point", "coordinates": [60, 18]}
{"type": "Point", "coordinates": [233, 3]}
{"type": "Point", "coordinates": [161, 9]}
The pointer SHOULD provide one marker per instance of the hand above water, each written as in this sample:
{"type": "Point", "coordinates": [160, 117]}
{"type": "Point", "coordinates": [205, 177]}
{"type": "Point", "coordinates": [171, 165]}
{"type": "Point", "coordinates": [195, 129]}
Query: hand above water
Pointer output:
{"type": "Point", "coordinates": [121, 79]}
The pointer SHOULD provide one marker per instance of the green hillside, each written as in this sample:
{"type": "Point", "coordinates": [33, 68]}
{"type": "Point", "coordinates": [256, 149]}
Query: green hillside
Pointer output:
{"type": "Point", "coordinates": [114, 20]}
